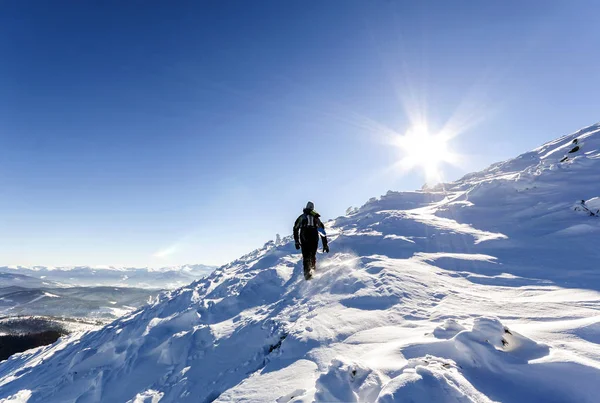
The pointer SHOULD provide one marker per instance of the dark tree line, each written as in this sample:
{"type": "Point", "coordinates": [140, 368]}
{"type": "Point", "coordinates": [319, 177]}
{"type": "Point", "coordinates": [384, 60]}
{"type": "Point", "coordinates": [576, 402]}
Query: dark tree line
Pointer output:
{"type": "Point", "coordinates": [12, 344]}
{"type": "Point", "coordinates": [21, 334]}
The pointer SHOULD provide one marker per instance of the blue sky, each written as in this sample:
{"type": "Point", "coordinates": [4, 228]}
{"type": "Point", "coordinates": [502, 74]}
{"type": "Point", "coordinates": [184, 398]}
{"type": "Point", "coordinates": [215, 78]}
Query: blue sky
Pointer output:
{"type": "Point", "coordinates": [160, 133]}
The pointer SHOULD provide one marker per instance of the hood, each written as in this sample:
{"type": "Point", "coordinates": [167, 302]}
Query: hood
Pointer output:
{"type": "Point", "coordinates": [312, 212]}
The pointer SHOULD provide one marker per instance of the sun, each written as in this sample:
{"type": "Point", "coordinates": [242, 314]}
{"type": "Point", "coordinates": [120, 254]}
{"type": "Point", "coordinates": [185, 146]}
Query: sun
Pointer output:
{"type": "Point", "coordinates": [425, 151]}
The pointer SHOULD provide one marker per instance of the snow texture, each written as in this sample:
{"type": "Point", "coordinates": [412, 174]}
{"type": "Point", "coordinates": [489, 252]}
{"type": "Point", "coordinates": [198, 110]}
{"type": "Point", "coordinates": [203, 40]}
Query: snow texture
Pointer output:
{"type": "Point", "coordinates": [482, 290]}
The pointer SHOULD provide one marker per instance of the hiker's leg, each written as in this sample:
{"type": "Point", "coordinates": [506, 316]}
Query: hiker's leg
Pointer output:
{"type": "Point", "coordinates": [306, 262]}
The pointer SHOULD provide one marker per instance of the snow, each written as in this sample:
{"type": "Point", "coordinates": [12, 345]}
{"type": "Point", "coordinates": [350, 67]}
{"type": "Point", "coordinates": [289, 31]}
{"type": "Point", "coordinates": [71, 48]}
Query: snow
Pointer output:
{"type": "Point", "coordinates": [486, 289]}
{"type": "Point", "coordinates": [20, 397]}
{"type": "Point", "coordinates": [149, 396]}
{"type": "Point", "coordinates": [593, 203]}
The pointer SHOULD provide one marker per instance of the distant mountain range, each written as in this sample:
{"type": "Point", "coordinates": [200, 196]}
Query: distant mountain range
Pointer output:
{"type": "Point", "coordinates": [85, 276]}
{"type": "Point", "coordinates": [25, 295]}
{"type": "Point", "coordinates": [92, 303]}
{"type": "Point", "coordinates": [96, 294]}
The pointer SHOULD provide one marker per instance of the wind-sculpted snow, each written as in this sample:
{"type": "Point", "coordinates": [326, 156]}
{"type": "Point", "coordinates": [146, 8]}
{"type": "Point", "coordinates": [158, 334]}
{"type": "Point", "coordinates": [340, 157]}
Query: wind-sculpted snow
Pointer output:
{"type": "Point", "coordinates": [479, 290]}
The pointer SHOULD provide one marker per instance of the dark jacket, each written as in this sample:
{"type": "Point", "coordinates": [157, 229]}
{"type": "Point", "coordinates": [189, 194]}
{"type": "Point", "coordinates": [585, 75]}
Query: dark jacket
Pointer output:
{"type": "Point", "coordinates": [306, 229]}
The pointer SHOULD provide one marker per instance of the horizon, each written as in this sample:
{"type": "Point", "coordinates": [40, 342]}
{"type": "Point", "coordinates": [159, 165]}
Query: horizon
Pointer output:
{"type": "Point", "coordinates": [172, 135]}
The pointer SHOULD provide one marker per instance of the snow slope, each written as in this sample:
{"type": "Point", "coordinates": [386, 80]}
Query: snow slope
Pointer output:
{"type": "Point", "coordinates": [485, 289]}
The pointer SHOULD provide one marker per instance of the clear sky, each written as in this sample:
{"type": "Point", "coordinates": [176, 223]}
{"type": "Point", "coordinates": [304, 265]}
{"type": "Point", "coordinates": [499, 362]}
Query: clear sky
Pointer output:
{"type": "Point", "coordinates": [159, 133]}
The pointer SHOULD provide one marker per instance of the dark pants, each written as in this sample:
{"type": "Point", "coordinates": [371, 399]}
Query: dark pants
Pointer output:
{"type": "Point", "coordinates": [309, 259]}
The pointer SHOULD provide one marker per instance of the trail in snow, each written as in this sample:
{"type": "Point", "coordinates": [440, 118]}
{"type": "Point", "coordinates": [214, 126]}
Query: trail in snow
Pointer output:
{"type": "Point", "coordinates": [480, 290]}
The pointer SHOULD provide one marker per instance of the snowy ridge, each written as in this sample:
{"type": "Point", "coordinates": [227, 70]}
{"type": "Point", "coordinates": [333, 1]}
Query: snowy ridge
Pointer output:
{"type": "Point", "coordinates": [485, 289]}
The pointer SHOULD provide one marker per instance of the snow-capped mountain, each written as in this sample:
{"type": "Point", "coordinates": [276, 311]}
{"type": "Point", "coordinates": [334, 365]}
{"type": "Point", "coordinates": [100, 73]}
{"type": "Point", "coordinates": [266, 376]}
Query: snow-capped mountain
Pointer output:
{"type": "Point", "coordinates": [484, 289]}
{"type": "Point", "coordinates": [163, 278]}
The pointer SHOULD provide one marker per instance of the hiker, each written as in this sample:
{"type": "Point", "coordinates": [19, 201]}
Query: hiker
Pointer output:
{"type": "Point", "coordinates": [307, 230]}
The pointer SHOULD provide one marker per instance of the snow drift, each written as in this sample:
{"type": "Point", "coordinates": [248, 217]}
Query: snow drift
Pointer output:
{"type": "Point", "coordinates": [485, 289]}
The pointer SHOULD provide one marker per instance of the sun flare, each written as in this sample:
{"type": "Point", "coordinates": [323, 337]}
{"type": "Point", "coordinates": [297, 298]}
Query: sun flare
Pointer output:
{"type": "Point", "coordinates": [426, 151]}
